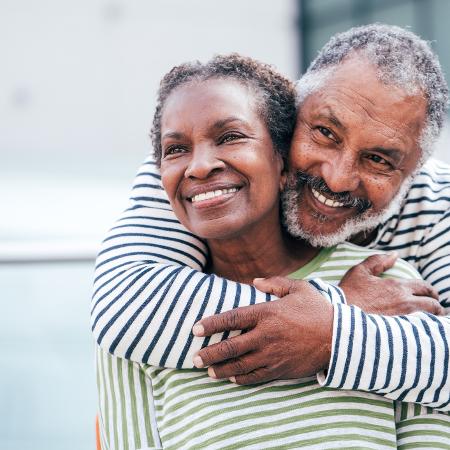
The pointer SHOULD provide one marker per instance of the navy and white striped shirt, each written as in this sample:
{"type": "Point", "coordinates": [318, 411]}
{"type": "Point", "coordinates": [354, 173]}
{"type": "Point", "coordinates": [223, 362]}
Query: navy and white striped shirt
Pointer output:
{"type": "Point", "coordinates": [148, 279]}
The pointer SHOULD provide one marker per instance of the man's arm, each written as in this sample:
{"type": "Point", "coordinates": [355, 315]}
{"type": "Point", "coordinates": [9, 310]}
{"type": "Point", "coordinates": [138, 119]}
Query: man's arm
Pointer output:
{"type": "Point", "coordinates": [400, 357]}
{"type": "Point", "coordinates": [144, 286]}
{"type": "Point", "coordinates": [148, 291]}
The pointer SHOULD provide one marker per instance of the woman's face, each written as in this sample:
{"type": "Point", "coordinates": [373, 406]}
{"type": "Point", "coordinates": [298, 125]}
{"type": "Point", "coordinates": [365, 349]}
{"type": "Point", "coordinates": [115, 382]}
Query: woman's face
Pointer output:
{"type": "Point", "coordinates": [218, 165]}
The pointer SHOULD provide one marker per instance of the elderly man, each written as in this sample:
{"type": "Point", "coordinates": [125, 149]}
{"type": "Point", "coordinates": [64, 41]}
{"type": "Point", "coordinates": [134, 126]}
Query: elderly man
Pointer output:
{"type": "Point", "coordinates": [371, 106]}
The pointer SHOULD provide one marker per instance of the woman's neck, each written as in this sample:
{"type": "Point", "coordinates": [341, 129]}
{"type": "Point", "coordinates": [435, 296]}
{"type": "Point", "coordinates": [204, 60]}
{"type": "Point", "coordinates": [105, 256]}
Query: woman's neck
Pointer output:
{"type": "Point", "coordinates": [261, 252]}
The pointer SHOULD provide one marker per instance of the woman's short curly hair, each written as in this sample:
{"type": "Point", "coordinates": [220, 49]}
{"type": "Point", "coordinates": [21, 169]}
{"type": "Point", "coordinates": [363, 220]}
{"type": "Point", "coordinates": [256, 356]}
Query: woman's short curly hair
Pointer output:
{"type": "Point", "coordinates": [274, 94]}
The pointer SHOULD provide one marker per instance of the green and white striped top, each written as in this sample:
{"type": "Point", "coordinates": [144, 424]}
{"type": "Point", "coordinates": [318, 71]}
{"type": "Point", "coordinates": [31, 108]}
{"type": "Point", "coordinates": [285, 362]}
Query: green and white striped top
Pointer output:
{"type": "Point", "coordinates": [145, 407]}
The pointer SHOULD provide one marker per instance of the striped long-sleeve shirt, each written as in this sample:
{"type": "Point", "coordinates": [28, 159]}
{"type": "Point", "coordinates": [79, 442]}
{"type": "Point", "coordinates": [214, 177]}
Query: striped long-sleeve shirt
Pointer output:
{"type": "Point", "coordinates": [148, 276]}
{"type": "Point", "coordinates": [148, 407]}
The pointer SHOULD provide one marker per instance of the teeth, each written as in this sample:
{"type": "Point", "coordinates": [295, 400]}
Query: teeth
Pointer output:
{"type": "Point", "coordinates": [212, 194]}
{"type": "Point", "coordinates": [326, 201]}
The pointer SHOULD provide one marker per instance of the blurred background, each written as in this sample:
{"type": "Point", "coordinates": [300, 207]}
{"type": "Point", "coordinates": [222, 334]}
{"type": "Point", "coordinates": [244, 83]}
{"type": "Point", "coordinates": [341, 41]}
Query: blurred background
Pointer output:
{"type": "Point", "coordinates": [77, 92]}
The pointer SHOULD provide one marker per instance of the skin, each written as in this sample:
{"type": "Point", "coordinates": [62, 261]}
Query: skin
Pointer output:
{"type": "Point", "coordinates": [213, 139]}
{"type": "Point", "coordinates": [360, 136]}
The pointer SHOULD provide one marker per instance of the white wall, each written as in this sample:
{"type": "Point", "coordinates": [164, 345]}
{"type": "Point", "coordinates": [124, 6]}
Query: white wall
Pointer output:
{"type": "Point", "coordinates": [77, 89]}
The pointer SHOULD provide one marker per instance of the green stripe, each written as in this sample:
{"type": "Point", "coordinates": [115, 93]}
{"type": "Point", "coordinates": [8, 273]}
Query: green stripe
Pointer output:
{"type": "Point", "coordinates": [132, 393]}
{"type": "Point", "coordinates": [269, 412]}
{"type": "Point", "coordinates": [289, 433]}
{"type": "Point", "coordinates": [106, 416]}
{"type": "Point", "coordinates": [122, 404]}
{"type": "Point", "coordinates": [312, 265]}
{"type": "Point", "coordinates": [210, 400]}
{"type": "Point", "coordinates": [437, 433]}
{"type": "Point", "coordinates": [230, 387]}
{"type": "Point", "coordinates": [114, 404]}
{"type": "Point", "coordinates": [426, 420]}
{"type": "Point", "coordinates": [163, 383]}
{"type": "Point", "coordinates": [420, 444]}
{"type": "Point", "coordinates": [148, 426]}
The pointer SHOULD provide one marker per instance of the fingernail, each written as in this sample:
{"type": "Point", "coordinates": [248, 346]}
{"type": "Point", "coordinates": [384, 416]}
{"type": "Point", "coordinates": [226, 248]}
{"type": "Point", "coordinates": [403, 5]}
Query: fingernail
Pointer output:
{"type": "Point", "coordinates": [198, 329]}
{"type": "Point", "coordinates": [258, 279]}
{"type": "Point", "coordinates": [198, 362]}
{"type": "Point", "coordinates": [211, 372]}
{"type": "Point", "coordinates": [232, 379]}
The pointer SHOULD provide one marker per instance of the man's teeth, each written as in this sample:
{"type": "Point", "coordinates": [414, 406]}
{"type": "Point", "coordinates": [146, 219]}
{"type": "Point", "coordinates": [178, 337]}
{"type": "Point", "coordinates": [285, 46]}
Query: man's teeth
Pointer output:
{"type": "Point", "coordinates": [212, 194]}
{"type": "Point", "coordinates": [326, 201]}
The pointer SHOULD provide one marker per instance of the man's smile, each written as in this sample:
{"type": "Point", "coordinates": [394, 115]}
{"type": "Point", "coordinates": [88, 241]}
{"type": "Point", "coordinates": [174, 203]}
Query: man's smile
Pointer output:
{"type": "Point", "coordinates": [326, 201]}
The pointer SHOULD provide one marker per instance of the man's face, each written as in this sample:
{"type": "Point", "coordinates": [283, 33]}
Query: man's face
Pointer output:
{"type": "Point", "coordinates": [355, 144]}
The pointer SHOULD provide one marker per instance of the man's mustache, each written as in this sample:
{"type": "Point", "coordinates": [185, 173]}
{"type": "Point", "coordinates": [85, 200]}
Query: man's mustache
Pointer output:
{"type": "Point", "coordinates": [302, 179]}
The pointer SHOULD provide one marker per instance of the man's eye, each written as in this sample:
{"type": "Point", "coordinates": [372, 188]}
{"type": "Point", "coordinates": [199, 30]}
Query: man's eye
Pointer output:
{"type": "Point", "coordinates": [229, 137]}
{"type": "Point", "coordinates": [326, 132]}
{"type": "Point", "coordinates": [378, 159]}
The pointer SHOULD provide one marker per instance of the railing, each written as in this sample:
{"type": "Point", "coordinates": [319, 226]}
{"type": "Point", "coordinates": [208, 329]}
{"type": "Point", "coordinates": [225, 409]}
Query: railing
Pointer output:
{"type": "Point", "coordinates": [23, 252]}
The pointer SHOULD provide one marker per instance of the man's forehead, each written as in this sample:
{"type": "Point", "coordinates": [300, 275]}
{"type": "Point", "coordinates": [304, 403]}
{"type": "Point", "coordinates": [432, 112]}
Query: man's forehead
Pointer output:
{"type": "Point", "coordinates": [355, 90]}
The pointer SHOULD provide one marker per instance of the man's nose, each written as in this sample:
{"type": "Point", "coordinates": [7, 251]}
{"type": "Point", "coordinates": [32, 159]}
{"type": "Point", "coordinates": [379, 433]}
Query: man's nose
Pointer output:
{"type": "Point", "coordinates": [203, 163]}
{"type": "Point", "coordinates": [340, 173]}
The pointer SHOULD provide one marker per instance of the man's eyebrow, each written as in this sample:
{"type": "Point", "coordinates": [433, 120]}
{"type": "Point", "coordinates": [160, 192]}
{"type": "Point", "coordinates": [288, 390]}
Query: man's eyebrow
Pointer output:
{"type": "Point", "coordinates": [328, 114]}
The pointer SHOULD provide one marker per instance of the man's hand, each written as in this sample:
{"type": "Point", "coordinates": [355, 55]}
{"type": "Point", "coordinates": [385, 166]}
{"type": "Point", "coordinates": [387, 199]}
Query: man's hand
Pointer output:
{"type": "Point", "coordinates": [286, 338]}
{"type": "Point", "coordinates": [387, 296]}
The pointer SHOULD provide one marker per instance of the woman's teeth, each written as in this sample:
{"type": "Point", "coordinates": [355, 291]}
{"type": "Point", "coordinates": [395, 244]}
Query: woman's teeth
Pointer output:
{"type": "Point", "coordinates": [212, 194]}
{"type": "Point", "coordinates": [326, 201]}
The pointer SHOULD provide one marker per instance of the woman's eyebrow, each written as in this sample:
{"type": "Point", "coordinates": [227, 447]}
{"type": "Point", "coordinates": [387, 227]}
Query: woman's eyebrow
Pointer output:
{"type": "Point", "coordinates": [224, 122]}
{"type": "Point", "coordinates": [173, 135]}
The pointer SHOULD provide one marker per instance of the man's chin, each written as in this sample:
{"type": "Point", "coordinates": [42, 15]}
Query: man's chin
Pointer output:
{"type": "Point", "coordinates": [327, 234]}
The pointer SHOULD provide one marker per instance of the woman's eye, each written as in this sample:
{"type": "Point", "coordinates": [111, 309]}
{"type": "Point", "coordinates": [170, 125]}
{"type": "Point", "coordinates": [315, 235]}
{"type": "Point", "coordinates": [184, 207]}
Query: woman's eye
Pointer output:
{"type": "Point", "coordinates": [174, 149]}
{"type": "Point", "coordinates": [229, 137]}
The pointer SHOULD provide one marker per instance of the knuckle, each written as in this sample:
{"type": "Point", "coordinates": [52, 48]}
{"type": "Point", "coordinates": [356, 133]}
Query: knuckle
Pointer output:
{"type": "Point", "coordinates": [239, 367]}
{"type": "Point", "coordinates": [228, 349]}
{"type": "Point", "coordinates": [205, 355]}
{"type": "Point", "coordinates": [229, 320]}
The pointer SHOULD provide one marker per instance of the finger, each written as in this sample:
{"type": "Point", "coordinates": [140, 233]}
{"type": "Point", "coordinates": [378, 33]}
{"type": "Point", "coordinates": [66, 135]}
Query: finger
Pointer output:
{"type": "Point", "coordinates": [422, 288]}
{"type": "Point", "coordinates": [429, 305]}
{"type": "Point", "coordinates": [237, 319]}
{"type": "Point", "coordinates": [261, 375]}
{"type": "Point", "coordinates": [234, 367]}
{"type": "Point", "coordinates": [222, 351]}
{"type": "Point", "coordinates": [278, 286]}
{"type": "Point", "coordinates": [377, 264]}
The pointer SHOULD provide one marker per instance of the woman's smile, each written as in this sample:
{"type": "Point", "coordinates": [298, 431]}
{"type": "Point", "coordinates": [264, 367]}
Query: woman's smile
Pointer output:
{"type": "Point", "coordinates": [212, 198]}
{"type": "Point", "coordinates": [219, 166]}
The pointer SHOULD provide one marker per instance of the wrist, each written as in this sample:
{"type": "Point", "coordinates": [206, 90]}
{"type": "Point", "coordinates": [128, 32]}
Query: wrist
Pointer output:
{"type": "Point", "coordinates": [326, 338]}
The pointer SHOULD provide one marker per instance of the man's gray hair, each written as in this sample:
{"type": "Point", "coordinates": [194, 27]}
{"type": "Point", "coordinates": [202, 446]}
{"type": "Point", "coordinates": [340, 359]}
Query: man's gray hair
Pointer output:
{"type": "Point", "coordinates": [401, 58]}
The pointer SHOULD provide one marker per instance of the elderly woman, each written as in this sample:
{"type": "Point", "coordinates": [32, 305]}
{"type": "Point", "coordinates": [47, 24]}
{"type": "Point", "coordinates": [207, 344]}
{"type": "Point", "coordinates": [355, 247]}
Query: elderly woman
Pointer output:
{"type": "Point", "coordinates": [221, 132]}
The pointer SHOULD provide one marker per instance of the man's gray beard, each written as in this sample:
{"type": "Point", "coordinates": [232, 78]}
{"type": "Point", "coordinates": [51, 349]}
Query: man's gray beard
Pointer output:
{"type": "Point", "coordinates": [291, 199]}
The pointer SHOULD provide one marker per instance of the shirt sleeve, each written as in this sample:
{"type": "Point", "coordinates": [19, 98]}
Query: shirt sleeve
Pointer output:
{"type": "Point", "coordinates": [149, 290]}
{"type": "Point", "coordinates": [401, 357]}
{"type": "Point", "coordinates": [404, 358]}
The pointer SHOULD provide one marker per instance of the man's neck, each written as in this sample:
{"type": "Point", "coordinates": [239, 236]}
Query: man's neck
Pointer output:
{"type": "Point", "coordinates": [364, 238]}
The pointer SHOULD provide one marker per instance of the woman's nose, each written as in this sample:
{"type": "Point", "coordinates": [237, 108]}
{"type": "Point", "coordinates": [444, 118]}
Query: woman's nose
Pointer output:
{"type": "Point", "coordinates": [203, 163]}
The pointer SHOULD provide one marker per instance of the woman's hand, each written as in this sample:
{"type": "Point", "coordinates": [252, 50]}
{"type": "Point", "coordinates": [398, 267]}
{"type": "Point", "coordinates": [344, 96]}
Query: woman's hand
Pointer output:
{"type": "Point", "coordinates": [374, 295]}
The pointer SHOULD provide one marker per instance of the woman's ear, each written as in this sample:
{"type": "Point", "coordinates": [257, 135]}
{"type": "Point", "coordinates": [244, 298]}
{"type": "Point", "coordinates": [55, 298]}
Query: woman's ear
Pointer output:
{"type": "Point", "coordinates": [283, 180]}
{"type": "Point", "coordinates": [283, 175]}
